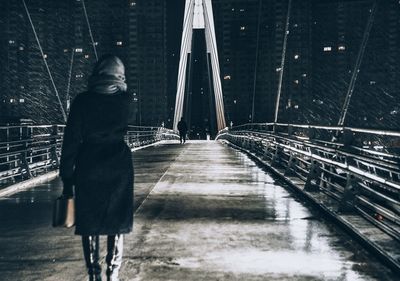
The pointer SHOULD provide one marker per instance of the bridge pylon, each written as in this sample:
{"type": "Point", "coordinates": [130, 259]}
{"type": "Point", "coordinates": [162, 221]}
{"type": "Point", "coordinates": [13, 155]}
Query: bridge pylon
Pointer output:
{"type": "Point", "coordinates": [199, 15]}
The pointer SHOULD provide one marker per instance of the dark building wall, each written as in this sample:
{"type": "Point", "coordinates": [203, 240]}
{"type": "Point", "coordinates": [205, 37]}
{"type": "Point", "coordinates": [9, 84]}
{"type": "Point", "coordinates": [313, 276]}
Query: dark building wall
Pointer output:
{"type": "Point", "coordinates": [323, 42]}
{"type": "Point", "coordinates": [236, 32]}
{"type": "Point", "coordinates": [337, 32]}
{"type": "Point", "coordinates": [340, 25]}
{"type": "Point", "coordinates": [26, 88]}
{"type": "Point", "coordinates": [377, 94]}
{"type": "Point", "coordinates": [131, 29]}
{"type": "Point", "coordinates": [297, 79]}
{"type": "Point", "coordinates": [247, 80]}
{"type": "Point", "coordinates": [152, 62]}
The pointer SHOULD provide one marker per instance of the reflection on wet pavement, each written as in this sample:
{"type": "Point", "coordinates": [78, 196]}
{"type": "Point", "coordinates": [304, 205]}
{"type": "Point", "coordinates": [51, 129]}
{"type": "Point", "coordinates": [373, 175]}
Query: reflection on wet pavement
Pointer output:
{"type": "Point", "coordinates": [205, 212]}
{"type": "Point", "coordinates": [215, 215]}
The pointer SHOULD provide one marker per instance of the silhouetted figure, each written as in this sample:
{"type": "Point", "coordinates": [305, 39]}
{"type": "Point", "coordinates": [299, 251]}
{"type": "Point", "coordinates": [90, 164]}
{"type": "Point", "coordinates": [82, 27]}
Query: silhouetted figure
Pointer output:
{"type": "Point", "coordinates": [96, 160]}
{"type": "Point", "coordinates": [182, 128]}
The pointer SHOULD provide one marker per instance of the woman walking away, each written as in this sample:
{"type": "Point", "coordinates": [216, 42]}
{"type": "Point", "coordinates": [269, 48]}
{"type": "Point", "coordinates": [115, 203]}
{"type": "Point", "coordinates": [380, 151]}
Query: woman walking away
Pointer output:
{"type": "Point", "coordinates": [98, 163]}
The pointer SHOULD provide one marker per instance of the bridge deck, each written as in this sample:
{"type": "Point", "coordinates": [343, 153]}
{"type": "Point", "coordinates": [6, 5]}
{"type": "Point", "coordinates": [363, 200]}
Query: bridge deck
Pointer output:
{"type": "Point", "coordinates": [203, 212]}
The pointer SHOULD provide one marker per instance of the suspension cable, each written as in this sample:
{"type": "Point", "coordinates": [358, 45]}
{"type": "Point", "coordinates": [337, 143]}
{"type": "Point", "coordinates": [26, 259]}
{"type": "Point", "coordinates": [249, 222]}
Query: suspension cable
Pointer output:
{"type": "Point", "coordinates": [256, 60]}
{"type": "Point", "coordinates": [278, 96]}
{"type": "Point", "coordinates": [356, 69]}
{"type": "Point", "coordinates": [70, 76]}
{"type": "Point", "coordinates": [45, 61]}
{"type": "Point", "coordinates": [90, 29]}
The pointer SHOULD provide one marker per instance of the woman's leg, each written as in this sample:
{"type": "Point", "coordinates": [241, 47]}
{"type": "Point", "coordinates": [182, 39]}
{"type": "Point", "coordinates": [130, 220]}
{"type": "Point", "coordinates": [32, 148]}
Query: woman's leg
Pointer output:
{"type": "Point", "coordinates": [91, 253]}
{"type": "Point", "coordinates": [115, 244]}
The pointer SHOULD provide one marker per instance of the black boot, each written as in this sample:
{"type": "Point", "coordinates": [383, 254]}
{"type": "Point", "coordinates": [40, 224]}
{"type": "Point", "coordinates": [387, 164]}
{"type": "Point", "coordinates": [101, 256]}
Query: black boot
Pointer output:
{"type": "Point", "coordinates": [91, 253]}
{"type": "Point", "coordinates": [115, 245]}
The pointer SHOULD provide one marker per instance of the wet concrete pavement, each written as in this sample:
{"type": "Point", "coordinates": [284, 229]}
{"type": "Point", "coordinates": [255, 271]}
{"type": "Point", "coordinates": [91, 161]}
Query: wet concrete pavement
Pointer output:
{"type": "Point", "coordinates": [204, 212]}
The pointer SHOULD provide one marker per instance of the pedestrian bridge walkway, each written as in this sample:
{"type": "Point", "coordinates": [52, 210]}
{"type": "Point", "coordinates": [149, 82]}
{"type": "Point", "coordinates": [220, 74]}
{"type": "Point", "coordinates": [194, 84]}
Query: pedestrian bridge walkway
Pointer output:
{"type": "Point", "coordinates": [204, 211]}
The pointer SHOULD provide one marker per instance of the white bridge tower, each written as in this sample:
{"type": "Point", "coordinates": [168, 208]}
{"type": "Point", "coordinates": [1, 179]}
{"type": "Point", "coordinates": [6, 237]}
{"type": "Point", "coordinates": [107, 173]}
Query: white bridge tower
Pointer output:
{"type": "Point", "coordinates": [199, 15]}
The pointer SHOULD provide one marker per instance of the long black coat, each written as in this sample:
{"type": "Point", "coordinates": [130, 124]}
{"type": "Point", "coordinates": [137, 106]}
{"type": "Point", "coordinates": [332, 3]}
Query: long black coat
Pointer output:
{"type": "Point", "coordinates": [99, 163]}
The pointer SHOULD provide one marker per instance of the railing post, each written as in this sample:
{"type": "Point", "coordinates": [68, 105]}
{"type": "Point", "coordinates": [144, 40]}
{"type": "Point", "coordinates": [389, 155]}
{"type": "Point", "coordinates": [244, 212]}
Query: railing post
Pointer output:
{"type": "Point", "coordinates": [291, 167]}
{"type": "Point", "coordinates": [290, 130]}
{"type": "Point", "coordinates": [276, 158]}
{"type": "Point", "coordinates": [347, 138]}
{"type": "Point", "coordinates": [265, 154]}
{"type": "Point", "coordinates": [253, 145]}
{"type": "Point", "coordinates": [313, 175]}
{"type": "Point", "coordinates": [349, 194]}
{"type": "Point", "coordinates": [8, 147]}
{"type": "Point", "coordinates": [311, 133]}
{"type": "Point", "coordinates": [244, 142]}
{"type": "Point", "coordinates": [53, 148]}
{"type": "Point", "coordinates": [24, 164]}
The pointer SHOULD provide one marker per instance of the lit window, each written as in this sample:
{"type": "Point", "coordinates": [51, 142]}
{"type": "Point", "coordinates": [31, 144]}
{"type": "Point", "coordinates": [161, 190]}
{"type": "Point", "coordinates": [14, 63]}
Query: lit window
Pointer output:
{"type": "Point", "coordinates": [234, 101]}
{"type": "Point", "coordinates": [242, 10]}
{"type": "Point", "coordinates": [296, 56]}
{"type": "Point", "coordinates": [372, 82]}
{"type": "Point", "coordinates": [296, 81]}
{"type": "Point", "coordinates": [295, 25]}
{"type": "Point", "coordinates": [65, 50]}
{"type": "Point", "coordinates": [278, 69]}
{"type": "Point", "coordinates": [132, 3]}
{"type": "Point", "coordinates": [96, 43]}
{"type": "Point", "coordinates": [304, 75]}
{"type": "Point", "coordinates": [12, 100]}
{"type": "Point", "coordinates": [11, 42]}
{"type": "Point", "coordinates": [227, 77]}
{"type": "Point", "coordinates": [78, 50]}
{"type": "Point", "coordinates": [327, 49]}
{"type": "Point", "coordinates": [342, 48]}
{"type": "Point", "coordinates": [242, 28]}
{"type": "Point", "coordinates": [86, 56]}
{"type": "Point", "coordinates": [79, 75]}
{"type": "Point", "coordinates": [296, 106]}
{"type": "Point", "coordinates": [233, 9]}
{"type": "Point", "coordinates": [21, 100]}
{"type": "Point", "coordinates": [119, 43]}
{"type": "Point", "coordinates": [21, 48]}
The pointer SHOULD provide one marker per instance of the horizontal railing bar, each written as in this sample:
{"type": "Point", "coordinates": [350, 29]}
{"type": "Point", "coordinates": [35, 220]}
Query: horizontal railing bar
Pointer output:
{"type": "Point", "coordinates": [370, 173]}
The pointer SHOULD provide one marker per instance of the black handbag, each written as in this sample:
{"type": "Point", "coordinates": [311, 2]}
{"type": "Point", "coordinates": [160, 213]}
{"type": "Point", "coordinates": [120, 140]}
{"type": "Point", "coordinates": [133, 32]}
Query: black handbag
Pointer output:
{"type": "Point", "coordinates": [64, 212]}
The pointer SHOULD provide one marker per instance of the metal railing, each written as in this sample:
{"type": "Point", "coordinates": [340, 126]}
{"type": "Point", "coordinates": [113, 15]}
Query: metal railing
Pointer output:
{"type": "Point", "coordinates": [27, 151]}
{"type": "Point", "coordinates": [358, 168]}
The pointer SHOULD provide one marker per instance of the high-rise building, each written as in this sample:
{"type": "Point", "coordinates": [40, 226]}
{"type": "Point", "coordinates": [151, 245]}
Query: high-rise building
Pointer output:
{"type": "Point", "coordinates": [71, 34]}
{"type": "Point", "coordinates": [337, 32]}
{"type": "Point", "coordinates": [27, 90]}
{"type": "Point", "coordinates": [338, 29]}
{"type": "Point", "coordinates": [151, 78]}
{"type": "Point", "coordinates": [323, 41]}
{"type": "Point", "coordinates": [236, 25]}
{"type": "Point", "coordinates": [250, 38]}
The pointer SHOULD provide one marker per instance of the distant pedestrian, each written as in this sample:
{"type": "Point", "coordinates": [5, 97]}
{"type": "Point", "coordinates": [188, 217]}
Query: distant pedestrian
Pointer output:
{"type": "Point", "coordinates": [182, 128]}
{"type": "Point", "coordinates": [96, 160]}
